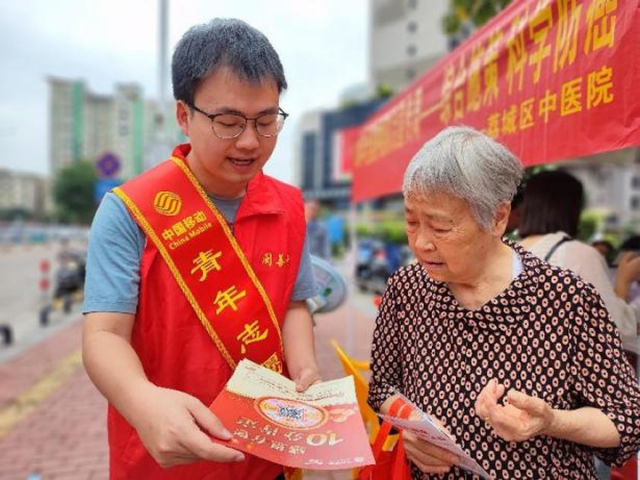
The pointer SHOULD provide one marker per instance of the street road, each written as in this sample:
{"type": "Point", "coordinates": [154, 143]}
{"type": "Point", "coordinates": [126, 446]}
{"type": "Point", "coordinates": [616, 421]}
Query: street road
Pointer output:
{"type": "Point", "coordinates": [19, 277]}
{"type": "Point", "coordinates": [20, 295]}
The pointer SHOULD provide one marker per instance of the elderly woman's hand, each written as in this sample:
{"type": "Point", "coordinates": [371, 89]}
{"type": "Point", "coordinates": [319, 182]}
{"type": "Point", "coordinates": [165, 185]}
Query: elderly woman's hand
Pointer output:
{"type": "Point", "coordinates": [521, 418]}
{"type": "Point", "coordinates": [428, 457]}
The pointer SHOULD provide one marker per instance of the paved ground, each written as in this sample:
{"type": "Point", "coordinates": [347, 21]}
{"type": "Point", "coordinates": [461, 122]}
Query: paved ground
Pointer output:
{"type": "Point", "coordinates": [52, 420]}
{"type": "Point", "coordinates": [21, 298]}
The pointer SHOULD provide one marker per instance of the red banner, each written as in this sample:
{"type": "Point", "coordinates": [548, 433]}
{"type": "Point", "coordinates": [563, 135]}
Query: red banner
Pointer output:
{"type": "Point", "coordinates": [550, 79]}
{"type": "Point", "coordinates": [344, 143]}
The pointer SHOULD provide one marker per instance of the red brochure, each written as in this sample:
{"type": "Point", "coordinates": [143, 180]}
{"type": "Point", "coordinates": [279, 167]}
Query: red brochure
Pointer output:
{"type": "Point", "coordinates": [319, 429]}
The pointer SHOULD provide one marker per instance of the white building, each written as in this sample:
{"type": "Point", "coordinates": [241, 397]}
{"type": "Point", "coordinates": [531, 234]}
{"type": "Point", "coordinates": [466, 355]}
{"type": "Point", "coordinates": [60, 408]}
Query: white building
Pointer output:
{"type": "Point", "coordinates": [66, 106]}
{"type": "Point", "coordinates": [612, 183]}
{"type": "Point", "coordinates": [25, 191]}
{"type": "Point", "coordinates": [405, 39]}
{"type": "Point", "coordinates": [85, 125]}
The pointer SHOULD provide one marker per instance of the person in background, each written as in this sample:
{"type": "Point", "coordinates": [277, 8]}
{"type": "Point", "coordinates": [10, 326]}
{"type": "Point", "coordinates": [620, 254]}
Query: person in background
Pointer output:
{"type": "Point", "coordinates": [627, 274]}
{"type": "Point", "coordinates": [197, 264]}
{"type": "Point", "coordinates": [515, 215]}
{"type": "Point", "coordinates": [605, 248]}
{"type": "Point", "coordinates": [553, 202]}
{"type": "Point", "coordinates": [317, 234]}
{"type": "Point", "coordinates": [516, 358]}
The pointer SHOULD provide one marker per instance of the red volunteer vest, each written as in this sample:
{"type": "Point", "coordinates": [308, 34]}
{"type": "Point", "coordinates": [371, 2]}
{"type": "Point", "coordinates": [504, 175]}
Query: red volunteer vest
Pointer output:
{"type": "Point", "coordinates": [175, 349]}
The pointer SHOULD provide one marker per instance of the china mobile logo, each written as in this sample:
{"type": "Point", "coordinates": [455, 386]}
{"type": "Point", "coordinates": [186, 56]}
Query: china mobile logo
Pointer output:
{"type": "Point", "coordinates": [167, 203]}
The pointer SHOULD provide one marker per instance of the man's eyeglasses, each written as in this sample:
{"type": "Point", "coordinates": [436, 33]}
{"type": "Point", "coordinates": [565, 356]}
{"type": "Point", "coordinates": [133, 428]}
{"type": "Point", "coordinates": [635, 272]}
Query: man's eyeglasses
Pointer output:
{"type": "Point", "coordinates": [231, 125]}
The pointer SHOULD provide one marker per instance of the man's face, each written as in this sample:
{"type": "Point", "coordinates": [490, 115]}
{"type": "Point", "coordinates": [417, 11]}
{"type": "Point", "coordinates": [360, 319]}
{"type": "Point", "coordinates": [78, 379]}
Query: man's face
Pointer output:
{"type": "Point", "coordinates": [225, 166]}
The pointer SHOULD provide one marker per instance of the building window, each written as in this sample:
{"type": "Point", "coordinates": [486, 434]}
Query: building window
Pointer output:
{"type": "Point", "coordinates": [635, 203]}
{"type": "Point", "coordinates": [411, 50]}
{"type": "Point", "coordinates": [412, 4]}
{"type": "Point", "coordinates": [308, 160]}
{"type": "Point", "coordinates": [411, 74]}
{"type": "Point", "coordinates": [635, 182]}
{"type": "Point", "coordinates": [412, 27]}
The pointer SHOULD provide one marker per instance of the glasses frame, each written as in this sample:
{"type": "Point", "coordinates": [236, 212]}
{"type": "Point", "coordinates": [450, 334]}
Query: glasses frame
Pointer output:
{"type": "Point", "coordinates": [212, 117]}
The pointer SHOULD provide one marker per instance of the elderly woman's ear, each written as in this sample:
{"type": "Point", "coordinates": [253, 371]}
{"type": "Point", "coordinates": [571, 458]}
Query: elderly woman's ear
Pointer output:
{"type": "Point", "coordinates": [501, 219]}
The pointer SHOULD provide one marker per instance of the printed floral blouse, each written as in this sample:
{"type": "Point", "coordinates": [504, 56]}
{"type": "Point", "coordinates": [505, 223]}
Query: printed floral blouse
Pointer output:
{"type": "Point", "coordinates": [548, 335]}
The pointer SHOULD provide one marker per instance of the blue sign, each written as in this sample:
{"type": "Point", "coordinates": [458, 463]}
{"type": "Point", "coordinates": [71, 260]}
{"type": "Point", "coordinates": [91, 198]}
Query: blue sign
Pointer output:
{"type": "Point", "coordinates": [108, 165]}
{"type": "Point", "coordinates": [103, 185]}
{"type": "Point", "coordinates": [335, 228]}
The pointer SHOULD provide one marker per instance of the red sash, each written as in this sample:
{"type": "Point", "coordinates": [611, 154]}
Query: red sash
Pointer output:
{"type": "Point", "coordinates": [207, 263]}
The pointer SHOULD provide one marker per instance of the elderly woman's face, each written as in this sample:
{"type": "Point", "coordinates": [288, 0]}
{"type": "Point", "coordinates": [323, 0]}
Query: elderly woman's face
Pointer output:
{"type": "Point", "coordinates": [445, 236]}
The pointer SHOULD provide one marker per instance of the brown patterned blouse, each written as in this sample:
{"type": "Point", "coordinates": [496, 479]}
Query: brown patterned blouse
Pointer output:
{"type": "Point", "coordinates": [548, 334]}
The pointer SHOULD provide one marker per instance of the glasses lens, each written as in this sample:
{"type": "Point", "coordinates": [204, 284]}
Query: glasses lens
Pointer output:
{"type": "Point", "coordinates": [270, 125]}
{"type": "Point", "coordinates": [228, 126]}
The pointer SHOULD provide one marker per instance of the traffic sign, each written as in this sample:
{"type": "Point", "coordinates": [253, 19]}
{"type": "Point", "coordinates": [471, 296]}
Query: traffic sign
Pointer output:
{"type": "Point", "coordinates": [108, 165]}
{"type": "Point", "coordinates": [103, 185]}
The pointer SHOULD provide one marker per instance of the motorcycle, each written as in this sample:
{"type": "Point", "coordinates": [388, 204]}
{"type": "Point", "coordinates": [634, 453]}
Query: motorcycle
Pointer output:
{"type": "Point", "coordinates": [377, 261]}
{"type": "Point", "coordinates": [70, 274]}
{"type": "Point", "coordinates": [370, 263]}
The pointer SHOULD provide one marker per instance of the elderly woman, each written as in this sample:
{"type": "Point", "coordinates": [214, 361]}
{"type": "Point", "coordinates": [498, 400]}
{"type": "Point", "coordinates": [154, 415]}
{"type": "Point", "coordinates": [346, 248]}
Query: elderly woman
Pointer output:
{"type": "Point", "coordinates": [518, 359]}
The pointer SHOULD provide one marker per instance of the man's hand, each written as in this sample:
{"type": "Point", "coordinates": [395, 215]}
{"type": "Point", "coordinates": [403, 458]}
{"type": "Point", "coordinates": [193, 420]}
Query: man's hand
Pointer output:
{"type": "Point", "coordinates": [307, 377]}
{"type": "Point", "coordinates": [299, 346]}
{"type": "Point", "coordinates": [428, 457]}
{"type": "Point", "coordinates": [173, 426]}
{"type": "Point", "coordinates": [521, 418]}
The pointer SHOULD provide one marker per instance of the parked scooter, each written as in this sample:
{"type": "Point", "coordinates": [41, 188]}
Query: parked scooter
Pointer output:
{"type": "Point", "coordinates": [69, 275]}
{"type": "Point", "coordinates": [68, 279]}
{"type": "Point", "coordinates": [370, 264]}
{"type": "Point", "coordinates": [377, 261]}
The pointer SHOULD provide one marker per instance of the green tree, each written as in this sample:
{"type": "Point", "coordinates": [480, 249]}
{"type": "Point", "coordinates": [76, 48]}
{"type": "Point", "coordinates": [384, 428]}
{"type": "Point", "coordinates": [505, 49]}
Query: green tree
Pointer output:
{"type": "Point", "coordinates": [73, 193]}
{"type": "Point", "coordinates": [588, 226]}
{"type": "Point", "coordinates": [464, 16]}
{"type": "Point", "coordinates": [384, 91]}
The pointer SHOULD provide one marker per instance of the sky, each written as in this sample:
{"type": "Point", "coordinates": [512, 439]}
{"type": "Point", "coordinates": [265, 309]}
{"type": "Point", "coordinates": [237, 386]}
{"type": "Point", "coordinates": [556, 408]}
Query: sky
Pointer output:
{"type": "Point", "coordinates": [322, 45]}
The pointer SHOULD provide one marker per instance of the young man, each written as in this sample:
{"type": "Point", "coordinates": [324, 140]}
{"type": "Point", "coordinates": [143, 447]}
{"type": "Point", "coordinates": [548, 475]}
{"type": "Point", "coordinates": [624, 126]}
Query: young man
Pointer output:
{"type": "Point", "coordinates": [198, 263]}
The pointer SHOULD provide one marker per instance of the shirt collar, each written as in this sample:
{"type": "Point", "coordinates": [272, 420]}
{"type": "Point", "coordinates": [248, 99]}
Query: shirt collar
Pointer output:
{"type": "Point", "coordinates": [260, 198]}
{"type": "Point", "coordinates": [506, 310]}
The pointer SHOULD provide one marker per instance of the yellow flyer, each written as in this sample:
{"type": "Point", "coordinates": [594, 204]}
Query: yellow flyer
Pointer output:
{"type": "Point", "coordinates": [320, 428]}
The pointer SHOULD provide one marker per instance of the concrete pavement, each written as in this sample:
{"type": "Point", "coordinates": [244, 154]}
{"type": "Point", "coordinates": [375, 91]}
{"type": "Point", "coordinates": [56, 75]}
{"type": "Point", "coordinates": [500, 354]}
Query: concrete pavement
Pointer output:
{"type": "Point", "coordinates": [53, 420]}
{"type": "Point", "coordinates": [21, 296]}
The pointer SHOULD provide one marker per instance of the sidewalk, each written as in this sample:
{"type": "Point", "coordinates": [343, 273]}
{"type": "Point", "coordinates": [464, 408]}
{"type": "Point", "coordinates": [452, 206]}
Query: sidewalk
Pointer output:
{"type": "Point", "coordinates": [53, 420]}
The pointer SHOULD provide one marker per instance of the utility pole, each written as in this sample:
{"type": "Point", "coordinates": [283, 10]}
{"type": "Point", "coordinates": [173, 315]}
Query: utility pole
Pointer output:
{"type": "Point", "coordinates": [163, 66]}
{"type": "Point", "coordinates": [160, 149]}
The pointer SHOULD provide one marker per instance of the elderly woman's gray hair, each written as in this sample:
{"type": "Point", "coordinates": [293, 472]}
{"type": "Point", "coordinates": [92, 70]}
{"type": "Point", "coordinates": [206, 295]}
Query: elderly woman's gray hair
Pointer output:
{"type": "Point", "coordinates": [468, 164]}
{"type": "Point", "coordinates": [223, 42]}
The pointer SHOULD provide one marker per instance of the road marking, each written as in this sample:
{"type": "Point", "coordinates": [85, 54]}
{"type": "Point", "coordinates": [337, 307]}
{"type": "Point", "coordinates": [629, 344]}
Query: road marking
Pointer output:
{"type": "Point", "coordinates": [26, 403]}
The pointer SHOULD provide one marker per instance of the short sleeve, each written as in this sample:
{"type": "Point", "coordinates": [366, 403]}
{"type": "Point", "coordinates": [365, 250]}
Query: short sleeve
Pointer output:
{"type": "Point", "coordinates": [604, 378]}
{"type": "Point", "coordinates": [305, 286]}
{"type": "Point", "coordinates": [113, 260]}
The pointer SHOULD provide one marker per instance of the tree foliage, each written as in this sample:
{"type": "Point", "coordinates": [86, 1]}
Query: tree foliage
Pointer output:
{"type": "Point", "coordinates": [392, 231]}
{"type": "Point", "coordinates": [73, 193]}
{"type": "Point", "coordinates": [469, 15]}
